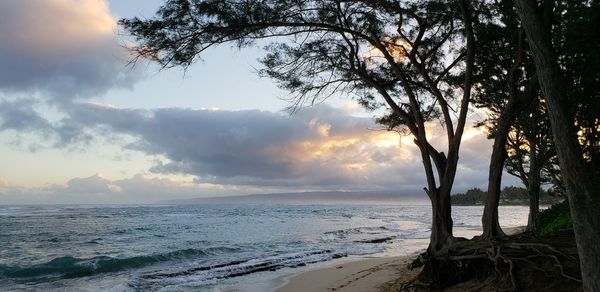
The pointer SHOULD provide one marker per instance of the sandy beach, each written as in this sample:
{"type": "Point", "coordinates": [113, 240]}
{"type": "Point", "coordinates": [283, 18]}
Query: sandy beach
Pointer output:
{"type": "Point", "coordinates": [375, 274]}
{"type": "Point", "coordinates": [371, 274]}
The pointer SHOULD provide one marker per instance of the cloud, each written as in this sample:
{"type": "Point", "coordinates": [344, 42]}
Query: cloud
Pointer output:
{"type": "Point", "coordinates": [96, 184]}
{"type": "Point", "coordinates": [252, 151]}
{"type": "Point", "coordinates": [20, 115]}
{"type": "Point", "coordinates": [318, 148]}
{"type": "Point", "coordinates": [3, 182]}
{"type": "Point", "coordinates": [98, 189]}
{"type": "Point", "coordinates": [57, 53]}
{"type": "Point", "coordinates": [54, 52]}
{"type": "Point", "coordinates": [63, 49]}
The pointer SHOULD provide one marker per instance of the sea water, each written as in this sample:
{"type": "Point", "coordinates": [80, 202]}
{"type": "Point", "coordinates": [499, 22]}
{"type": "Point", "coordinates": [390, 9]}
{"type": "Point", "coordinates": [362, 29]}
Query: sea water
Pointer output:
{"type": "Point", "coordinates": [204, 247]}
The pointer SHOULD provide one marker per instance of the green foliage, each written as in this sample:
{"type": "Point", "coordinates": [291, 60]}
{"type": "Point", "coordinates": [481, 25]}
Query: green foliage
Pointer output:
{"type": "Point", "coordinates": [510, 195]}
{"type": "Point", "coordinates": [474, 196]}
{"type": "Point", "coordinates": [555, 218]}
{"type": "Point", "coordinates": [576, 41]}
{"type": "Point", "coordinates": [514, 193]}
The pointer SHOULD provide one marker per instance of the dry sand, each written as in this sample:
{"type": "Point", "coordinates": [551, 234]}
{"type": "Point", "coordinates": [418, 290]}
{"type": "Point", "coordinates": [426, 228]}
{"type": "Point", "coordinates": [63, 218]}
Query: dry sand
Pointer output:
{"type": "Point", "coordinates": [375, 274]}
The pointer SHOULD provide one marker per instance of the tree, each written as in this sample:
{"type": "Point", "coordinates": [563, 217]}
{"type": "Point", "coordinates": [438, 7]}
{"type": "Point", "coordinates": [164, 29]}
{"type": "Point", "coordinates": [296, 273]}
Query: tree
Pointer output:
{"type": "Point", "coordinates": [531, 156]}
{"type": "Point", "coordinates": [501, 77]}
{"type": "Point", "coordinates": [470, 197]}
{"type": "Point", "coordinates": [583, 195]}
{"type": "Point", "coordinates": [576, 42]}
{"type": "Point", "coordinates": [407, 55]}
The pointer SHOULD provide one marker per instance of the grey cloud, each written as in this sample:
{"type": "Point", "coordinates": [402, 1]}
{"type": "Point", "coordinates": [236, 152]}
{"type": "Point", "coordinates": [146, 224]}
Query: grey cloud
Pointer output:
{"type": "Point", "coordinates": [222, 145]}
{"type": "Point", "coordinates": [54, 52]}
{"type": "Point", "coordinates": [95, 184]}
{"type": "Point", "coordinates": [266, 149]}
{"type": "Point", "coordinates": [61, 49]}
{"type": "Point", "coordinates": [20, 115]}
{"type": "Point", "coordinates": [258, 148]}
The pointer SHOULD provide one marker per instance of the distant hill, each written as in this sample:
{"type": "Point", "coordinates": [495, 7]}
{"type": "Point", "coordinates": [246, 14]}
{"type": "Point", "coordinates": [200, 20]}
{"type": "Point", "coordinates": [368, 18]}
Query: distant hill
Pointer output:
{"type": "Point", "coordinates": [371, 197]}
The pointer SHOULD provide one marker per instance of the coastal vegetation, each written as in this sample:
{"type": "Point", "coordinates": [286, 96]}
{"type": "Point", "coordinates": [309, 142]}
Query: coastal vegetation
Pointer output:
{"type": "Point", "coordinates": [555, 219]}
{"type": "Point", "coordinates": [508, 196]}
{"type": "Point", "coordinates": [532, 66]}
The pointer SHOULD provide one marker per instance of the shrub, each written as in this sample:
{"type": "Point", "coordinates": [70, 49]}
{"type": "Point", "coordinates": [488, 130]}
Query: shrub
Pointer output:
{"type": "Point", "coordinates": [555, 218]}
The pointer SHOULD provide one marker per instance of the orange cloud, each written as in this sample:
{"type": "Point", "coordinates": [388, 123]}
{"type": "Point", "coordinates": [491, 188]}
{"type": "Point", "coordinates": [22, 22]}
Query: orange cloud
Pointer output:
{"type": "Point", "coordinates": [347, 154]}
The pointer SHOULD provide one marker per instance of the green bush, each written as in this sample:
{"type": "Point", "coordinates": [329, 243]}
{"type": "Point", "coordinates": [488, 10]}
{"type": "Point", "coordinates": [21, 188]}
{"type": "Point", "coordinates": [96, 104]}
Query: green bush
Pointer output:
{"type": "Point", "coordinates": [555, 218]}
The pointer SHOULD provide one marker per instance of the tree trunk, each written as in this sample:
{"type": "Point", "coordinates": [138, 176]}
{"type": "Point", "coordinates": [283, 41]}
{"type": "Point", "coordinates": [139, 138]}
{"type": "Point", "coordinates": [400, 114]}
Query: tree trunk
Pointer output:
{"type": "Point", "coordinates": [534, 204]}
{"type": "Point", "coordinates": [534, 183]}
{"type": "Point", "coordinates": [441, 227]}
{"type": "Point", "coordinates": [583, 201]}
{"type": "Point", "coordinates": [441, 223]}
{"type": "Point", "coordinates": [517, 103]}
{"type": "Point", "coordinates": [491, 225]}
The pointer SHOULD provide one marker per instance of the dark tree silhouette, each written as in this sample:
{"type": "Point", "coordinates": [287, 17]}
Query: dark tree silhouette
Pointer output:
{"type": "Point", "coordinates": [532, 158]}
{"type": "Point", "coordinates": [580, 180]}
{"type": "Point", "coordinates": [406, 56]}
{"type": "Point", "coordinates": [507, 88]}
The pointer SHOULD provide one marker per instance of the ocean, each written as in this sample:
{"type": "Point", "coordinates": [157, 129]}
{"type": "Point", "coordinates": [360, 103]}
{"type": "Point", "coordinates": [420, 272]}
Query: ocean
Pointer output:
{"type": "Point", "coordinates": [208, 247]}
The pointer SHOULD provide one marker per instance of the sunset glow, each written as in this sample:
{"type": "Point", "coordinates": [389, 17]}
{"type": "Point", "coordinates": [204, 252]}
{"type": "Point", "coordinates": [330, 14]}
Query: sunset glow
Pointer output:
{"type": "Point", "coordinates": [122, 130]}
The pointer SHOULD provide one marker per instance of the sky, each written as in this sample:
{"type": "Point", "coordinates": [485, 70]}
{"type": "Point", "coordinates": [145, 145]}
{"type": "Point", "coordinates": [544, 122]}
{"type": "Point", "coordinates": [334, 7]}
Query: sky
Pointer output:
{"type": "Point", "coordinates": [80, 124]}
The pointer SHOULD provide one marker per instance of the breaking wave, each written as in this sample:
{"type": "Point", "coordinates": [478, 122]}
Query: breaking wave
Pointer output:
{"type": "Point", "coordinates": [72, 267]}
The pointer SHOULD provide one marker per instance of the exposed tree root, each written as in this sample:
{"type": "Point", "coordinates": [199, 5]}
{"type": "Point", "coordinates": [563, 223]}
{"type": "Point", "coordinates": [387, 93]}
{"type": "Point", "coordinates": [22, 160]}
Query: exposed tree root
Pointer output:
{"type": "Point", "coordinates": [518, 263]}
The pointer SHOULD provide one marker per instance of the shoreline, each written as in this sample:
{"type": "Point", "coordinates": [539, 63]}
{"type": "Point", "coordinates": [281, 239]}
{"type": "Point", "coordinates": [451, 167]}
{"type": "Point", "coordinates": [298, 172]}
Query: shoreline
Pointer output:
{"type": "Point", "coordinates": [359, 274]}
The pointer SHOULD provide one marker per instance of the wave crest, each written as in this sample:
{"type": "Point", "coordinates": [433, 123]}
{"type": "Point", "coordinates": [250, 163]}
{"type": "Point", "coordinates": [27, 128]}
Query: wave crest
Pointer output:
{"type": "Point", "coordinates": [73, 267]}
